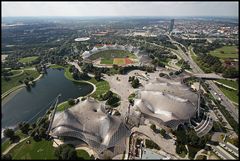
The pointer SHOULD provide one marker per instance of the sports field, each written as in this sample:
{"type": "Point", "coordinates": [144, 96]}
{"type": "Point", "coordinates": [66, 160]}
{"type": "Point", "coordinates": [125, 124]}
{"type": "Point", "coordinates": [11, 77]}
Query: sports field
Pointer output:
{"type": "Point", "coordinates": [117, 61]}
{"type": "Point", "coordinates": [106, 61]}
{"type": "Point", "coordinates": [225, 52]}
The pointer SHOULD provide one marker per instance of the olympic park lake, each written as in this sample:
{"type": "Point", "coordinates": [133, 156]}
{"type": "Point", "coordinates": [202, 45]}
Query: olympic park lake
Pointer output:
{"type": "Point", "coordinates": [29, 105]}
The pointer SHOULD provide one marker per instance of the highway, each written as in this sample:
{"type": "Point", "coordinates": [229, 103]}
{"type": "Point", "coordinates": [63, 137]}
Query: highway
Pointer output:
{"type": "Point", "coordinates": [214, 88]}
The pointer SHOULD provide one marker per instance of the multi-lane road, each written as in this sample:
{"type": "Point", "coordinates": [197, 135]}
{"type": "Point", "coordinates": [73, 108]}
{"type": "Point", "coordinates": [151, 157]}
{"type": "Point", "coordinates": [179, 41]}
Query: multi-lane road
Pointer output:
{"type": "Point", "coordinates": [214, 89]}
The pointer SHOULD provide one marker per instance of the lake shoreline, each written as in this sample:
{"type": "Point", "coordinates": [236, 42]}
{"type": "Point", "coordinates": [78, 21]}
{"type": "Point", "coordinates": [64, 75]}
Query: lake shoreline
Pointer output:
{"type": "Point", "coordinates": [16, 89]}
{"type": "Point", "coordinates": [30, 102]}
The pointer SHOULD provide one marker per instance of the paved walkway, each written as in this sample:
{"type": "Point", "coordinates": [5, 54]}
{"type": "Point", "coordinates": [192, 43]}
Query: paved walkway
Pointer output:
{"type": "Point", "coordinates": [12, 76]}
{"type": "Point", "coordinates": [13, 145]}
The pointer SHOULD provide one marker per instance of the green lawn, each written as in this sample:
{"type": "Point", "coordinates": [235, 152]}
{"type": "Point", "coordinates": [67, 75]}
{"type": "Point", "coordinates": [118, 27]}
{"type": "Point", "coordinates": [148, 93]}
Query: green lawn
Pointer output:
{"type": "Point", "coordinates": [230, 83]}
{"type": "Point", "coordinates": [67, 74]}
{"type": "Point", "coordinates": [109, 54]}
{"type": "Point", "coordinates": [28, 59]}
{"type": "Point", "coordinates": [225, 52]}
{"type": "Point", "coordinates": [101, 86]}
{"type": "Point", "coordinates": [7, 142]}
{"type": "Point", "coordinates": [13, 82]}
{"type": "Point", "coordinates": [15, 72]}
{"type": "Point", "coordinates": [63, 106]}
{"type": "Point", "coordinates": [55, 66]}
{"type": "Point", "coordinates": [231, 94]}
{"type": "Point", "coordinates": [83, 154]}
{"type": "Point", "coordinates": [35, 150]}
{"type": "Point", "coordinates": [106, 61]}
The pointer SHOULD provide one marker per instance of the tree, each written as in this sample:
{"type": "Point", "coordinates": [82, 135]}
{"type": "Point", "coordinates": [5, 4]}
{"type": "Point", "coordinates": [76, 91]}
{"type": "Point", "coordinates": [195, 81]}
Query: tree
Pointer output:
{"type": "Point", "coordinates": [161, 74]}
{"type": "Point", "coordinates": [162, 132]}
{"type": "Point", "coordinates": [9, 133]}
{"type": "Point", "coordinates": [71, 101]}
{"type": "Point", "coordinates": [66, 152]}
{"type": "Point", "coordinates": [98, 76]}
{"type": "Point", "coordinates": [71, 69]}
{"type": "Point", "coordinates": [107, 95]}
{"type": "Point", "coordinates": [113, 101]}
{"type": "Point", "coordinates": [135, 83]}
{"type": "Point", "coordinates": [153, 127]}
{"type": "Point", "coordinates": [6, 157]}
{"type": "Point", "coordinates": [26, 82]}
{"type": "Point", "coordinates": [24, 127]}
{"type": "Point", "coordinates": [230, 73]}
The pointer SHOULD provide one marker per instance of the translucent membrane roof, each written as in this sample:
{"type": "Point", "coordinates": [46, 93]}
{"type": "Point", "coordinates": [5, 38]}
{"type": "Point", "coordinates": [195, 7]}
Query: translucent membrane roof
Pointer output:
{"type": "Point", "coordinates": [88, 122]}
{"type": "Point", "coordinates": [169, 102]}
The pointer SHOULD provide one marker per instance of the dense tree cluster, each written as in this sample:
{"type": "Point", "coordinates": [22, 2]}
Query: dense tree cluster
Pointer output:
{"type": "Point", "coordinates": [111, 98]}
{"type": "Point", "coordinates": [150, 144]}
{"type": "Point", "coordinates": [188, 42]}
{"type": "Point", "coordinates": [39, 128]}
{"type": "Point", "coordinates": [199, 48]}
{"type": "Point", "coordinates": [189, 138]}
{"type": "Point", "coordinates": [184, 64]}
{"type": "Point", "coordinates": [134, 81]}
{"type": "Point", "coordinates": [24, 127]}
{"type": "Point", "coordinates": [230, 72]}
{"type": "Point", "coordinates": [66, 152]}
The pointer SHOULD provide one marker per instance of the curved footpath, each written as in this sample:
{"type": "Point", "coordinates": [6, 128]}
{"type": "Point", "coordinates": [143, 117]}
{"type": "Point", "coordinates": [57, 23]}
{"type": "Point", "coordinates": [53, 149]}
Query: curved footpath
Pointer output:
{"type": "Point", "coordinates": [13, 145]}
{"type": "Point", "coordinates": [12, 76]}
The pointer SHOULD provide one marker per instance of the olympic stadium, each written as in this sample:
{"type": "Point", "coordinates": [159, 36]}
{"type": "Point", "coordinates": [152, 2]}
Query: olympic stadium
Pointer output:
{"type": "Point", "coordinates": [166, 102]}
{"type": "Point", "coordinates": [89, 122]}
{"type": "Point", "coordinates": [95, 50]}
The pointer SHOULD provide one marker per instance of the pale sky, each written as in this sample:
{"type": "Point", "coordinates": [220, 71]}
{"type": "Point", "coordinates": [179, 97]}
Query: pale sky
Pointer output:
{"type": "Point", "coordinates": [120, 9]}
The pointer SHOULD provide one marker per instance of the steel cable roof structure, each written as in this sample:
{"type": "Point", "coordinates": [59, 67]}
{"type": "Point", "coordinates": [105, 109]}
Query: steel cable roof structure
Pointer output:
{"type": "Point", "coordinates": [167, 102]}
{"type": "Point", "coordinates": [89, 122]}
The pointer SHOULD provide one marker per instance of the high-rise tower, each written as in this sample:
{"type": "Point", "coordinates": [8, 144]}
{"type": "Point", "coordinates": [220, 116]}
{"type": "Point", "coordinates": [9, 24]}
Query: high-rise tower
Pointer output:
{"type": "Point", "coordinates": [171, 25]}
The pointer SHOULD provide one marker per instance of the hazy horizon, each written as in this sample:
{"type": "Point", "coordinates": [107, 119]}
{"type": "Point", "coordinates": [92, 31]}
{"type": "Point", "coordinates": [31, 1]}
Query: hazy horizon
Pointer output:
{"type": "Point", "coordinates": [120, 9]}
